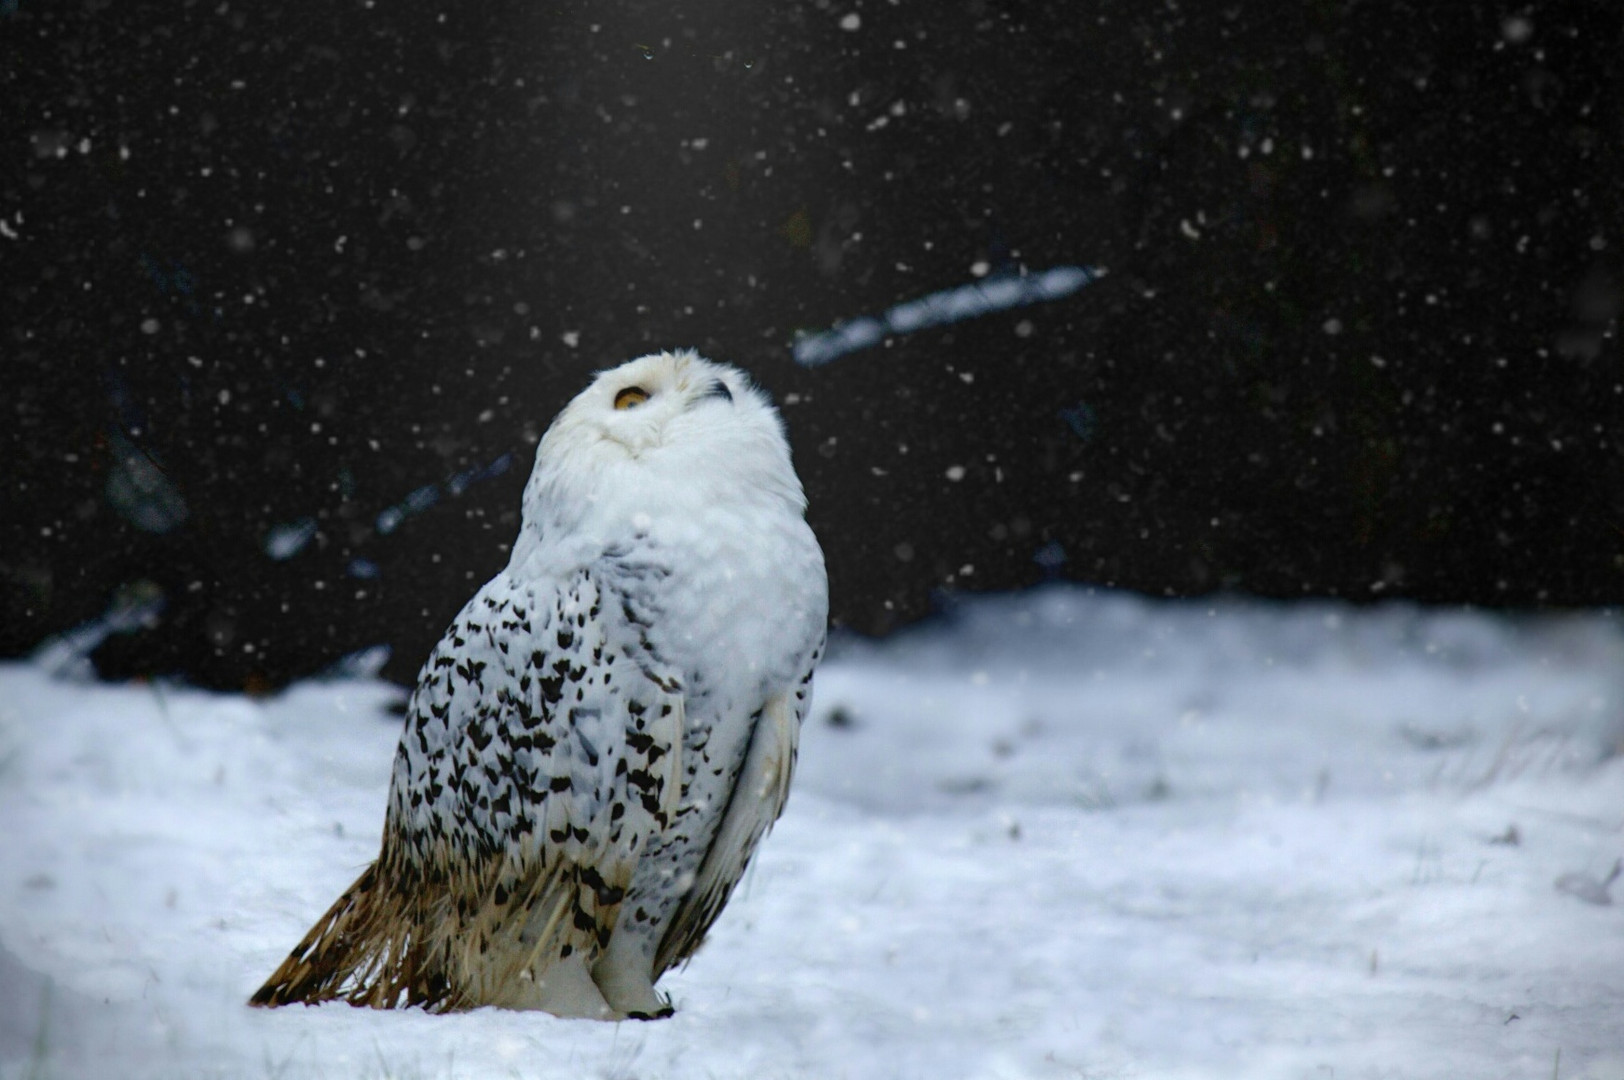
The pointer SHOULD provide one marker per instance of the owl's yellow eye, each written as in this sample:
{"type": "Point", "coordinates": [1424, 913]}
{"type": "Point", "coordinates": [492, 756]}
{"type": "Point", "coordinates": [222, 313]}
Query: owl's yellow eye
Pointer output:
{"type": "Point", "coordinates": [631, 397]}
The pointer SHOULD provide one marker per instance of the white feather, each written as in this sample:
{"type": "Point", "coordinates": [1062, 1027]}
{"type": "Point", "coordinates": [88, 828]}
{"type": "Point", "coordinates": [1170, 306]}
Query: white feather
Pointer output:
{"type": "Point", "coordinates": [608, 728]}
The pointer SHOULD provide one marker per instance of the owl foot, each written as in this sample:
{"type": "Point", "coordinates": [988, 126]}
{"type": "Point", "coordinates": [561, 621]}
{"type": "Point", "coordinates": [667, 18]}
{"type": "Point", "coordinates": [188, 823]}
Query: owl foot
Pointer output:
{"type": "Point", "coordinates": [622, 974]}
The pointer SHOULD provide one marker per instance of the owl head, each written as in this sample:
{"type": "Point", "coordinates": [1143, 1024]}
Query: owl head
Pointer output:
{"type": "Point", "coordinates": [662, 400]}
{"type": "Point", "coordinates": [658, 432]}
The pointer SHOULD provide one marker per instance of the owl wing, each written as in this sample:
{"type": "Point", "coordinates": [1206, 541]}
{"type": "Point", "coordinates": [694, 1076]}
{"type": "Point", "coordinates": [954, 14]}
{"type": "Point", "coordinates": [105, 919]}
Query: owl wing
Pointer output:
{"type": "Point", "coordinates": [540, 756]}
{"type": "Point", "coordinates": [755, 802]}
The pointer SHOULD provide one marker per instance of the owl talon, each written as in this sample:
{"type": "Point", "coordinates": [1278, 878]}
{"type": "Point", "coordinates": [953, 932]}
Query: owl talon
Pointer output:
{"type": "Point", "coordinates": [663, 1014]}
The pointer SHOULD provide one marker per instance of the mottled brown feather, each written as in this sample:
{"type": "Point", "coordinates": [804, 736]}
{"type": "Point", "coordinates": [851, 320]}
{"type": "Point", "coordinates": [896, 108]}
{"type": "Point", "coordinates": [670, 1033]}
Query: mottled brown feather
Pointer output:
{"type": "Point", "coordinates": [394, 941]}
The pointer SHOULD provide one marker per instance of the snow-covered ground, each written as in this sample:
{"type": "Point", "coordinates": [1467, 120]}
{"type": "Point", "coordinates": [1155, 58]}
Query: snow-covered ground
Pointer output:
{"type": "Point", "coordinates": [1055, 834]}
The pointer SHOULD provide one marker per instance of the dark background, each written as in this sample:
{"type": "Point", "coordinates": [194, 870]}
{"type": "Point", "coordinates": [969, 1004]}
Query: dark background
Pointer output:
{"type": "Point", "coordinates": [268, 270]}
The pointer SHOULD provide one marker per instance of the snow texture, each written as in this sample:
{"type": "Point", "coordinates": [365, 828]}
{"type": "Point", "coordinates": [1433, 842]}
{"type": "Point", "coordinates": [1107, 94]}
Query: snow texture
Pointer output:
{"type": "Point", "coordinates": [1052, 834]}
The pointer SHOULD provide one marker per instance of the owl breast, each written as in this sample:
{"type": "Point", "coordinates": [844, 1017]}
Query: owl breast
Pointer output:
{"type": "Point", "coordinates": [743, 620]}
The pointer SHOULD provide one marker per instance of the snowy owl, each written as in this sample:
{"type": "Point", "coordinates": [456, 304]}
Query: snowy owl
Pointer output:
{"type": "Point", "coordinates": [608, 728]}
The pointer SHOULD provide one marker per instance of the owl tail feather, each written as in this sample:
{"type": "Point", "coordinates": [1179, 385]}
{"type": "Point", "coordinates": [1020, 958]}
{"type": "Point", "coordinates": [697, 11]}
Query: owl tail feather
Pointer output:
{"type": "Point", "coordinates": [362, 951]}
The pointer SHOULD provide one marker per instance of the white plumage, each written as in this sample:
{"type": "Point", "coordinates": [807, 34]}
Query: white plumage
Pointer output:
{"type": "Point", "coordinates": [608, 728]}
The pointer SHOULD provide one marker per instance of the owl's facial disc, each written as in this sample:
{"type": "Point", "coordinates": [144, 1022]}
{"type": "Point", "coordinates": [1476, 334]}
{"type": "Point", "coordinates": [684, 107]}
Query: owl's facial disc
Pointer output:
{"type": "Point", "coordinates": [659, 400]}
{"type": "Point", "coordinates": [682, 396]}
